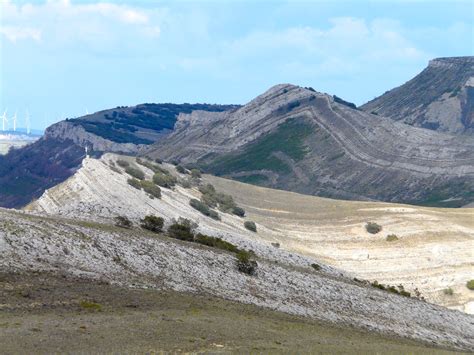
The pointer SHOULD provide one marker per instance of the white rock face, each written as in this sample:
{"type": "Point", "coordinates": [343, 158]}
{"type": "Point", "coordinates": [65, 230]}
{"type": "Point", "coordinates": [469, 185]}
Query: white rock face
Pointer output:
{"type": "Point", "coordinates": [139, 259]}
{"type": "Point", "coordinates": [434, 250]}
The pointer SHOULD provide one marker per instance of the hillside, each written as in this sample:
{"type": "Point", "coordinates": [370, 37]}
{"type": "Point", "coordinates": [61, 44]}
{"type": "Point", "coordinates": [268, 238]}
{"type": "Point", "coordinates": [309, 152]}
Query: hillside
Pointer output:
{"type": "Point", "coordinates": [297, 139]}
{"type": "Point", "coordinates": [440, 98]}
{"type": "Point", "coordinates": [27, 172]}
{"type": "Point", "coordinates": [432, 252]}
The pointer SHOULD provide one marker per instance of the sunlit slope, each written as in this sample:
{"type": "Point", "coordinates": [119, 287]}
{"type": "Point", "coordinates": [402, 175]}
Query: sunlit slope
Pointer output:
{"type": "Point", "coordinates": [434, 250]}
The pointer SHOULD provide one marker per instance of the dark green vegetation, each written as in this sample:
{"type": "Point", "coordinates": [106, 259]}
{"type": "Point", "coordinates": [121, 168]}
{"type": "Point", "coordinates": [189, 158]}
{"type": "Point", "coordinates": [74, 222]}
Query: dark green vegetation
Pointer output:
{"type": "Point", "coordinates": [152, 223]}
{"type": "Point", "coordinates": [164, 179]}
{"type": "Point", "coordinates": [251, 226]}
{"type": "Point", "coordinates": [344, 102]}
{"type": "Point", "coordinates": [135, 172]}
{"type": "Point", "coordinates": [316, 267]}
{"type": "Point", "coordinates": [212, 199]}
{"type": "Point", "coordinates": [25, 173]}
{"type": "Point", "coordinates": [391, 238]}
{"type": "Point", "coordinates": [373, 228]}
{"type": "Point", "coordinates": [398, 290]}
{"type": "Point", "coordinates": [151, 189]}
{"type": "Point", "coordinates": [123, 222]}
{"type": "Point", "coordinates": [135, 320]}
{"type": "Point", "coordinates": [470, 284]}
{"type": "Point", "coordinates": [135, 183]}
{"type": "Point", "coordinates": [128, 124]}
{"type": "Point", "coordinates": [246, 263]}
{"type": "Point", "coordinates": [259, 155]}
{"type": "Point", "coordinates": [204, 209]}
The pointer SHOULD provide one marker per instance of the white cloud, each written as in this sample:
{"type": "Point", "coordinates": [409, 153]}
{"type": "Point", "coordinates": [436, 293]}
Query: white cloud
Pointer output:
{"type": "Point", "coordinates": [14, 34]}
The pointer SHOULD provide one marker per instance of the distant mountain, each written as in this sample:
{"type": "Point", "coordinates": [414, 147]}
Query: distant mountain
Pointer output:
{"type": "Point", "coordinates": [301, 140]}
{"type": "Point", "coordinates": [440, 98]}
{"type": "Point", "coordinates": [25, 173]}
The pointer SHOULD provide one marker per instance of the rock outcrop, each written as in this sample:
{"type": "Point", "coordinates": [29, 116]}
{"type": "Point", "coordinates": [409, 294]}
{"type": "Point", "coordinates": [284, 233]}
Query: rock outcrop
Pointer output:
{"type": "Point", "coordinates": [440, 98]}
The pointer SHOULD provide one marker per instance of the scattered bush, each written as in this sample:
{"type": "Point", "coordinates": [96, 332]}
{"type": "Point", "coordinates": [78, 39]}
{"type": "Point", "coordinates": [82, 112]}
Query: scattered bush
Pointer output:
{"type": "Point", "coordinates": [180, 169]}
{"type": "Point", "coordinates": [251, 226]}
{"type": "Point", "coordinates": [207, 189]}
{"type": "Point", "coordinates": [151, 188]}
{"type": "Point", "coordinates": [391, 238]}
{"type": "Point", "coordinates": [195, 173]}
{"type": "Point", "coordinates": [135, 172]}
{"type": "Point", "coordinates": [238, 211]}
{"type": "Point", "coordinates": [185, 183]}
{"type": "Point", "coordinates": [316, 267]}
{"type": "Point", "coordinates": [135, 183]}
{"type": "Point", "coordinates": [182, 231]}
{"type": "Point", "coordinates": [164, 180]}
{"type": "Point", "coordinates": [448, 291]}
{"type": "Point", "coordinates": [400, 290]}
{"type": "Point", "coordinates": [373, 228]}
{"type": "Point", "coordinates": [175, 162]}
{"type": "Point", "coordinates": [123, 222]}
{"type": "Point", "coordinates": [203, 208]}
{"type": "Point", "coordinates": [123, 163]}
{"type": "Point", "coordinates": [215, 243]}
{"type": "Point", "coordinates": [153, 223]}
{"type": "Point", "coordinates": [245, 263]}
{"type": "Point", "coordinates": [90, 306]}
{"type": "Point", "coordinates": [470, 284]}
{"type": "Point", "coordinates": [276, 245]}
{"type": "Point", "coordinates": [159, 161]}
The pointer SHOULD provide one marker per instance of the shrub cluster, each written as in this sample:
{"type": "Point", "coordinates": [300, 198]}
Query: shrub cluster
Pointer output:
{"type": "Point", "coordinates": [373, 228]}
{"type": "Point", "coordinates": [164, 179]}
{"type": "Point", "coordinates": [135, 183]}
{"type": "Point", "coordinates": [135, 172]}
{"type": "Point", "coordinates": [123, 222]}
{"type": "Point", "coordinates": [151, 189]}
{"type": "Point", "coordinates": [204, 209]}
{"type": "Point", "coordinates": [224, 202]}
{"type": "Point", "coordinates": [153, 223]}
{"type": "Point", "coordinates": [195, 173]}
{"type": "Point", "coordinates": [251, 226]}
{"type": "Point", "coordinates": [398, 290]}
{"type": "Point", "coordinates": [123, 163]}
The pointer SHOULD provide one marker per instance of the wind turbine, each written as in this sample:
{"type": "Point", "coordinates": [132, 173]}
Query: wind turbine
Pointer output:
{"type": "Point", "coordinates": [14, 123]}
{"type": "Point", "coordinates": [4, 121]}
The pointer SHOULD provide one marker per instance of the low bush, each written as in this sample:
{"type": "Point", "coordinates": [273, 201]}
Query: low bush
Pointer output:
{"type": "Point", "coordinates": [398, 290]}
{"type": "Point", "coordinates": [185, 183]}
{"type": "Point", "coordinates": [470, 284]}
{"type": "Point", "coordinates": [123, 163]}
{"type": "Point", "coordinates": [164, 180]}
{"type": "Point", "coordinates": [238, 211]}
{"type": "Point", "coordinates": [203, 208]}
{"type": "Point", "coordinates": [316, 267]}
{"type": "Point", "coordinates": [123, 222]}
{"type": "Point", "coordinates": [251, 226]}
{"type": "Point", "coordinates": [135, 183]}
{"type": "Point", "coordinates": [159, 161]}
{"type": "Point", "coordinates": [245, 263]}
{"type": "Point", "coordinates": [153, 223]}
{"type": "Point", "coordinates": [373, 228]}
{"type": "Point", "coordinates": [195, 173]}
{"type": "Point", "coordinates": [92, 306]}
{"type": "Point", "coordinates": [215, 243]}
{"type": "Point", "coordinates": [150, 188]}
{"type": "Point", "coordinates": [448, 291]}
{"type": "Point", "coordinates": [181, 231]}
{"type": "Point", "coordinates": [391, 238]}
{"type": "Point", "coordinates": [135, 172]}
{"type": "Point", "coordinates": [180, 169]}
{"type": "Point", "coordinates": [276, 245]}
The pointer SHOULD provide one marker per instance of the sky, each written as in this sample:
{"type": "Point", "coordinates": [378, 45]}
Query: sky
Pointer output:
{"type": "Point", "coordinates": [64, 58]}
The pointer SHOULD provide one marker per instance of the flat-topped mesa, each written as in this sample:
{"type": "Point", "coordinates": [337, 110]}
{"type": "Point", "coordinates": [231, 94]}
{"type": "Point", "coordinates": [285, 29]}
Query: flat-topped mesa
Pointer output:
{"type": "Point", "coordinates": [451, 62]}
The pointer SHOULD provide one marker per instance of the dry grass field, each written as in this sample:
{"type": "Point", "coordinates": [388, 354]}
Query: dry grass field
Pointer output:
{"type": "Point", "coordinates": [434, 249]}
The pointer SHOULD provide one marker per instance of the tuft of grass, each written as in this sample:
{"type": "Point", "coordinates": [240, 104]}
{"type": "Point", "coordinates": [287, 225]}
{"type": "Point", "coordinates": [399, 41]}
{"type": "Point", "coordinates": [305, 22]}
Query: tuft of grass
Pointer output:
{"type": "Point", "coordinates": [92, 306]}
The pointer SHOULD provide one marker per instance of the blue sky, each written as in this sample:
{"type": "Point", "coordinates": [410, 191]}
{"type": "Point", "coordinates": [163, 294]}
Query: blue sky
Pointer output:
{"type": "Point", "coordinates": [59, 58]}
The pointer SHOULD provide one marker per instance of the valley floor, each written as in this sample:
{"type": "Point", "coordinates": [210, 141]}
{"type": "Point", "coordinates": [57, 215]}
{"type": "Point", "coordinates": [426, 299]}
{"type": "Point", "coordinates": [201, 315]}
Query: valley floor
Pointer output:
{"type": "Point", "coordinates": [44, 313]}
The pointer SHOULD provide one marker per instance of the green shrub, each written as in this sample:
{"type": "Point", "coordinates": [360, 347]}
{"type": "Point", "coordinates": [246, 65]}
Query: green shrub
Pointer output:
{"type": "Point", "coordinates": [135, 172]}
{"type": "Point", "coordinates": [251, 226]}
{"type": "Point", "coordinates": [135, 183]}
{"type": "Point", "coordinates": [226, 202]}
{"type": "Point", "coordinates": [391, 238]}
{"type": "Point", "coordinates": [91, 306]}
{"type": "Point", "coordinates": [123, 163]}
{"type": "Point", "coordinates": [238, 211]}
{"type": "Point", "coordinates": [185, 183]}
{"type": "Point", "coordinates": [180, 169]}
{"type": "Point", "coordinates": [215, 243]}
{"type": "Point", "coordinates": [448, 291]}
{"type": "Point", "coordinates": [164, 180]}
{"type": "Point", "coordinates": [470, 284]}
{"type": "Point", "coordinates": [373, 228]}
{"type": "Point", "coordinates": [153, 223]}
{"type": "Point", "coordinates": [123, 222]}
{"type": "Point", "coordinates": [151, 188]}
{"type": "Point", "coordinates": [276, 245]}
{"type": "Point", "coordinates": [316, 267]}
{"type": "Point", "coordinates": [181, 231]}
{"type": "Point", "coordinates": [207, 189]}
{"type": "Point", "coordinates": [245, 263]}
{"type": "Point", "coordinates": [159, 161]}
{"type": "Point", "coordinates": [195, 173]}
{"type": "Point", "coordinates": [203, 208]}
